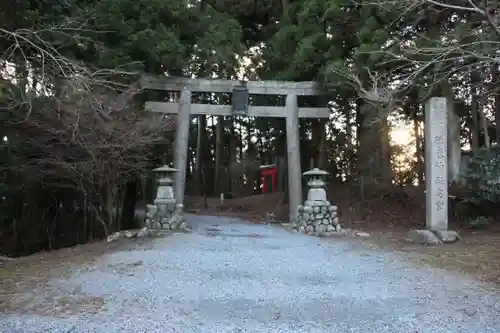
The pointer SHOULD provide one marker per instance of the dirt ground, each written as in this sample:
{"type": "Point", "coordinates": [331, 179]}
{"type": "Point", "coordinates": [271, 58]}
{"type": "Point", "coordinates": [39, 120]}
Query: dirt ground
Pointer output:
{"type": "Point", "coordinates": [23, 279]}
{"type": "Point", "coordinates": [388, 219]}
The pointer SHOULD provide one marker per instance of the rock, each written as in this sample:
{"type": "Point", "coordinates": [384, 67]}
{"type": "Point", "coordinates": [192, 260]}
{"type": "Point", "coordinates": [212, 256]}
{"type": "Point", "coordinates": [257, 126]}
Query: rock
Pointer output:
{"type": "Point", "coordinates": [300, 208]}
{"type": "Point", "coordinates": [174, 226]}
{"type": "Point", "coordinates": [338, 227]}
{"type": "Point", "coordinates": [113, 237]}
{"type": "Point", "coordinates": [336, 221]}
{"type": "Point", "coordinates": [361, 234]}
{"type": "Point", "coordinates": [325, 221]}
{"type": "Point", "coordinates": [271, 218]}
{"type": "Point", "coordinates": [306, 216]}
{"type": "Point", "coordinates": [151, 211]}
{"type": "Point", "coordinates": [302, 230]}
{"type": "Point", "coordinates": [320, 229]}
{"type": "Point", "coordinates": [320, 216]}
{"type": "Point", "coordinates": [448, 236]}
{"type": "Point", "coordinates": [184, 227]}
{"type": "Point", "coordinates": [131, 233]}
{"type": "Point", "coordinates": [308, 209]}
{"type": "Point", "coordinates": [324, 209]}
{"type": "Point", "coordinates": [330, 228]}
{"type": "Point", "coordinates": [424, 237]}
{"type": "Point", "coordinates": [143, 232]}
{"type": "Point", "coordinates": [310, 229]}
{"type": "Point", "coordinates": [332, 208]}
{"type": "Point", "coordinates": [316, 209]}
{"type": "Point", "coordinates": [5, 258]}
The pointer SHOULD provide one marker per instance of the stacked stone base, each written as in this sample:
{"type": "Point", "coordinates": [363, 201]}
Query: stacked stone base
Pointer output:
{"type": "Point", "coordinates": [167, 224]}
{"type": "Point", "coordinates": [318, 219]}
{"type": "Point", "coordinates": [174, 221]}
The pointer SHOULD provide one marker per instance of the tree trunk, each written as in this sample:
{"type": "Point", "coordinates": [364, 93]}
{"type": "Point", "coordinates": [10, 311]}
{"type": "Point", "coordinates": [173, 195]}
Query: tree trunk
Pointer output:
{"type": "Point", "coordinates": [474, 111]}
{"type": "Point", "coordinates": [374, 163]}
{"type": "Point", "coordinates": [454, 145]}
{"type": "Point", "coordinates": [415, 108]}
{"type": "Point", "coordinates": [233, 160]}
{"type": "Point", "coordinates": [128, 220]}
{"type": "Point", "coordinates": [318, 142]}
{"type": "Point", "coordinates": [201, 123]}
{"type": "Point", "coordinates": [219, 127]}
{"type": "Point", "coordinates": [495, 81]}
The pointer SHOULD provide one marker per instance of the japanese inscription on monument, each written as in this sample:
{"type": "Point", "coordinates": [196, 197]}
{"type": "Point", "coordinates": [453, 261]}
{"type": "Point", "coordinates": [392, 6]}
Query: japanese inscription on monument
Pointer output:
{"type": "Point", "coordinates": [436, 167]}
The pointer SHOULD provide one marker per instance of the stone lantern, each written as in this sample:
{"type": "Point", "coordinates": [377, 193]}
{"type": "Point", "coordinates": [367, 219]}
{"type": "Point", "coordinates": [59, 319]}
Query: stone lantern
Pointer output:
{"type": "Point", "coordinates": [165, 200]}
{"type": "Point", "coordinates": [316, 194]}
{"type": "Point", "coordinates": [317, 216]}
{"type": "Point", "coordinates": [164, 213]}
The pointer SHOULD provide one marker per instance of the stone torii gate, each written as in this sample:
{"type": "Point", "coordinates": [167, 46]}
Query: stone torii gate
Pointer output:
{"type": "Point", "coordinates": [240, 107]}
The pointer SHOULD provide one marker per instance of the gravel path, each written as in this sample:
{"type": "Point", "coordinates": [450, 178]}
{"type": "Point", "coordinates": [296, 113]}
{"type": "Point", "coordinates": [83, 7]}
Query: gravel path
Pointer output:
{"type": "Point", "coordinates": [228, 276]}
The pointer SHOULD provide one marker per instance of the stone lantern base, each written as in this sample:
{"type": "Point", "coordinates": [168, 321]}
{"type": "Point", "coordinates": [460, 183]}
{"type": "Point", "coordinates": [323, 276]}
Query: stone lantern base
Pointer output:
{"type": "Point", "coordinates": [317, 218]}
{"type": "Point", "coordinates": [170, 221]}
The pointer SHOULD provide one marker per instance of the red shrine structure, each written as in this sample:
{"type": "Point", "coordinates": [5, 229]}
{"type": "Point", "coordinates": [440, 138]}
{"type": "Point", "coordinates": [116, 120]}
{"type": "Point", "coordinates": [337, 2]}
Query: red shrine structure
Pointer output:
{"type": "Point", "coordinates": [267, 171]}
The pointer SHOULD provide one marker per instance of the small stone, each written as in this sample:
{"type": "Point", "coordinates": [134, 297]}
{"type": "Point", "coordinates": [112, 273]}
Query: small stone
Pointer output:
{"type": "Point", "coordinates": [316, 209]}
{"type": "Point", "coordinates": [300, 208]}
{"type": "Point", "coordinates": [174, 226]}
{"type": "Point", "coordinates": [306, 216]}
{"type": "Point", "coordinates": [448, 236]}
{"type": "Point", "coordinates": [320, 229]}
{"type": "Point", "coordinates": [271, 217]}
{"type": "Point", "coordinates": [308, 209]}
{"type": "Point", "coordinates": [324, 209]}
{"type": "Point", "coordinates": [157, 225]}
{"type": "Point", "coordinates": [330, 228]}
{"type": "Point", "coordinates": [362, 234]}
{"type": "Point", "coordinates": [303, 224]}
{"type": "Point", "coordinates": [423, 237]}
{"type": "Point", "coordinates": [332, 208]}
{"type": "Point", "coordinates": [310, 229]}
{"type": "Point", "coordinates": [165, 226]}
{"type": "Point", "coordinates": [325, 221]}
{"type": "Point", "coordinates": [338, 228]}
{"type": "Point", "coordinates": [316, 222]}
{"type": "Point", "coordinates": [184, 227]}
{"type": "Point", "coordinates": [302, 230]}
{"type": "Point", "coordinates": [130, 233]}
{"type": "Point", "coordinates": [320, 216]}
{"type": "Point", "coordinates": [333, 214]}
{"type": "Point", "coordinates": [336, 221]}
{"type": "Point", "coordinates": [113, 237]}
{"type": "Point", "coordinates": [143, 232]}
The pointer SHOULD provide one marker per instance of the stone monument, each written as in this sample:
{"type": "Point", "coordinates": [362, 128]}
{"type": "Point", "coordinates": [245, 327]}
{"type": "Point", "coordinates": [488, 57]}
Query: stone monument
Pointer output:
{"type": "Point", "coordinates": [165, 213]}
{"type": "Point", "coordinates": [317, 216]}
{"type": "Point", "coordinates": [436, 176]}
